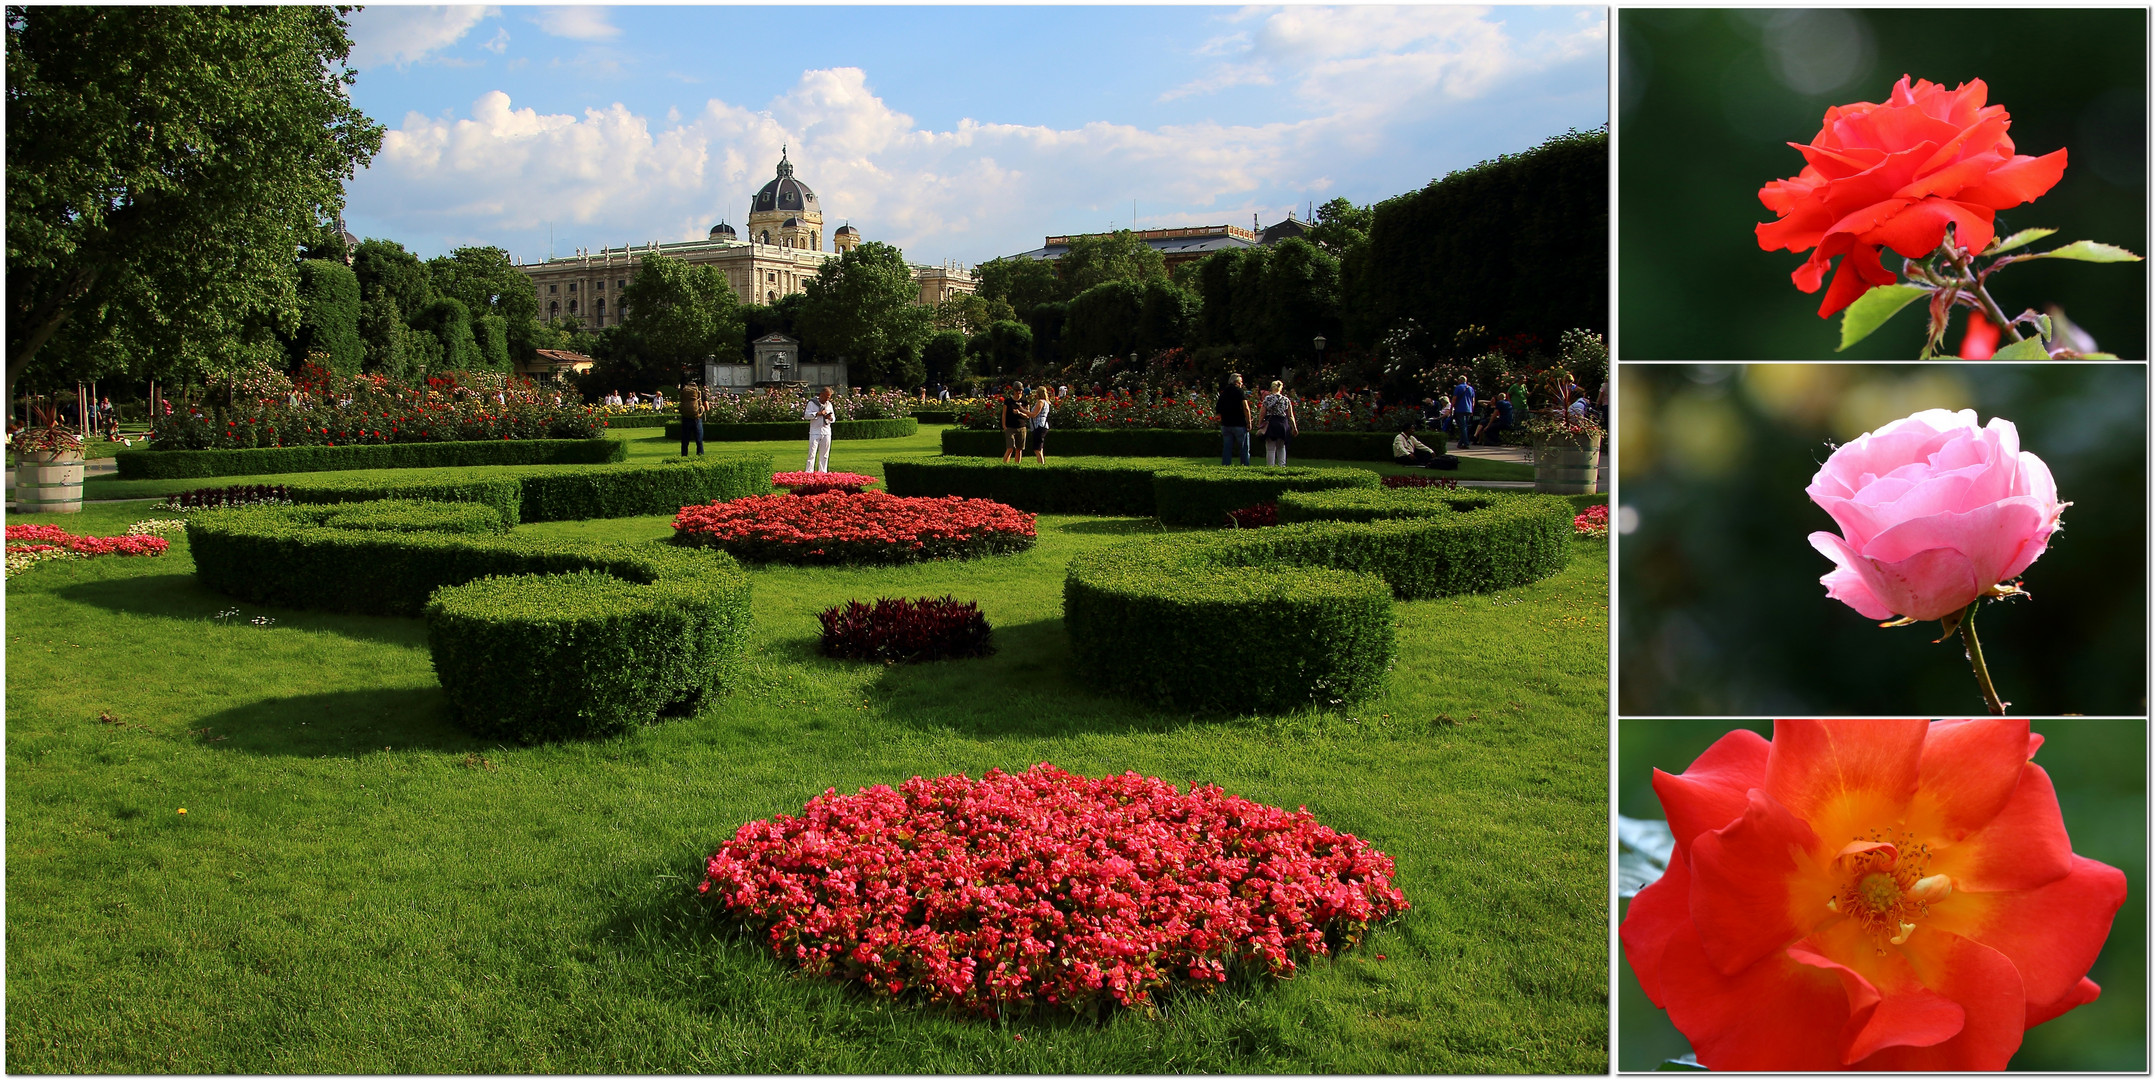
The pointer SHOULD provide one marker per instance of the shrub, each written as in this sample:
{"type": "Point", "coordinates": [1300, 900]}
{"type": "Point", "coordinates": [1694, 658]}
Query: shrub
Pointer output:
{"type": "Point", "coordinates": [936, 416]}
{"type": "Point", "coordinates": [1203, 443]}
{"type": "Point", "coordinates": [810, 483]}
{"type": "Point", "coordinates": [221, 498]}
{"type": "Point", "coordinates": [905, 631]}
{"type": "Point", "coordinates": [1117, 488]}
{"type": "Point", "coordinates": [647, 418]}
{"type": "Point", "coordinates": [180, 464]}
{"type": "Point", "coordinates": [1428, 542]}
{"type": "Point", "coordinates": [871, 527]}
{"type": "Point", "coordinates": [375, 416]}
{"type": "Point", "coordinates": [1203, 494]}
{"type": "Point", "coordinates": [1196, 412]}
{"type": "Point", "coordinates": [781, 431]}
{"type": "Point", "coordinates": [560, 493]}
{"type": "Point", "coordinates": [412, 515]}
{"type": "Point", "coordinates": [1445, 482]}
{"type": "Point", "coordinates": [1046, 889]}
{"type": "Point", "coordinates": [591, 652]}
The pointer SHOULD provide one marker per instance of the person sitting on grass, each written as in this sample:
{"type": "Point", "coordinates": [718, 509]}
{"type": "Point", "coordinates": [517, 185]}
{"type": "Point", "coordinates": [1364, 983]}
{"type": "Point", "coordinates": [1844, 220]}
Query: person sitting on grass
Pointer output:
{"type": "Point", "coordinates": [1408, 450]}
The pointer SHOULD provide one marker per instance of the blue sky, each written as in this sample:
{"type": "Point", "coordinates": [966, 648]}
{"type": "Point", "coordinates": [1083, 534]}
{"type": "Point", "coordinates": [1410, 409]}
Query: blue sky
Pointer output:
{"type": "Point", "coordinates": [957, 133]}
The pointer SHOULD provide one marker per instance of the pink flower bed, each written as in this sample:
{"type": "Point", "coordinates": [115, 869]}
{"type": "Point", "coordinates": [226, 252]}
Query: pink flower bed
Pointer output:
{"type": "Point", "coordinates": [871, 527]}
{"type": "Point", "coordinates": [1046, 888]}
{"type": "Point", "coordinates": [34, 537]}
{"type": "Point", "coordinates": [1593, 521]}
{"type": "Point", "coordinates": [810, 483]}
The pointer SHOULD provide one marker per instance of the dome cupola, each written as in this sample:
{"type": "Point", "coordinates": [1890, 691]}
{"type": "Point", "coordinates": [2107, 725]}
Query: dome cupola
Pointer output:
{"type": "Point", "coordinates": [785, 193]}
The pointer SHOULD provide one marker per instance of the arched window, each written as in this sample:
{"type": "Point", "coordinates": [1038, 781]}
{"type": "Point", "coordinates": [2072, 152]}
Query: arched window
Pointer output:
{"type": "Point", "coordinates": [572, 306]}
{"type": "Point", "coordinates": [553, 308]}
{"type": "Point", "coordinates": [602, 312]}
{"type": "Point", "coordinates": [766, 236]}
{"type": "Point", "coordinates": [770, 297]}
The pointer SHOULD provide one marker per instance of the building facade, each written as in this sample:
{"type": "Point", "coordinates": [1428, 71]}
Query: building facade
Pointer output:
{"type": "Point", "coordinates": [781, 253]}
{"type": "Point", "coordinates": [1186, 244]}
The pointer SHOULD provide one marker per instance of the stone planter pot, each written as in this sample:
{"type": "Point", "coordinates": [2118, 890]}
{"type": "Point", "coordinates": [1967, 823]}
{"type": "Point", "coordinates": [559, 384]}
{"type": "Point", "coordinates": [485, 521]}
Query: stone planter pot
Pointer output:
{"type": "Point", "coordinates": [48, 482]}
{"type": "Point", "coordinates": [1567, 468]}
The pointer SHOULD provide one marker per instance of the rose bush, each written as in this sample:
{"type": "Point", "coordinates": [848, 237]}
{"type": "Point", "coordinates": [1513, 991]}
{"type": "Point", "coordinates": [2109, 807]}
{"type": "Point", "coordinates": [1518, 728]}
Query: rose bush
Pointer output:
{"type": "Point", "coordinates": [1935, 513]}
{"type": "Point", "coordinates": [1046, 888]}
{"type": "Point", "coordinates": [1191, 411]}
{"type": "Point", "coordinates": [1868, 894]}
{"type": "Point", "coordinates": [871, 527]}
{"type": "Point", "coordinates": [372, 420]}
{"type": "Point", "coordinates": [1894, 174]}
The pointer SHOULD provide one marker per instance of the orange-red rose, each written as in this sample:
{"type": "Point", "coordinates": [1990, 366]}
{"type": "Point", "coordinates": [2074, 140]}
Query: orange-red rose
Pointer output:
{"type": "Point", "coordinates": [1895, 174]}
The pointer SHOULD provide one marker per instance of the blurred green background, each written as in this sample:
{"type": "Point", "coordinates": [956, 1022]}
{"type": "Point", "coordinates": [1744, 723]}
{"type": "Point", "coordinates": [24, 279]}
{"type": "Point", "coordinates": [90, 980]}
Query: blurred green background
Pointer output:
{"type": "Point", "coordinates": [2100, 770]}
{"type": "Point", "coordinates": [1708, 100]}
{"type": "Point", "coordinates": [1722, 611]}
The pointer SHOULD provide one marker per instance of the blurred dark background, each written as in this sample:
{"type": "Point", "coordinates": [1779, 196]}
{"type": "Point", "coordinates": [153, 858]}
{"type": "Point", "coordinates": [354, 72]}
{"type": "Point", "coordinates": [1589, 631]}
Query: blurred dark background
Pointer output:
{"type": "Point", "coordinates": [1709, 99]}
{"type": "Point", "coordinates": [2100, 770]}
{"type": "Point", "coordinates": [1723, 614]}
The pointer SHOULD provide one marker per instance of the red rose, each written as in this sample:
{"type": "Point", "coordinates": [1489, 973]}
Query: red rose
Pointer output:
{"type": "Point", "coordinates": [1895, 175]}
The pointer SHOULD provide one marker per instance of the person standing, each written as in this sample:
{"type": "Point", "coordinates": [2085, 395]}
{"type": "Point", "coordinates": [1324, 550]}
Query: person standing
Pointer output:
{"type": "Point", "coordinates": [692, 405]}
{"type": "Point", "coordinates": [819, 414]}
{"type": "Point", "coordinates": [1280, 426]}
{"type": "Point", "coordinates": [1234, 409]}
{"type": "Point", "coordinates": [1036, 427]}
{"type": "Point", "coordinates": [1463, 410]}
{"type": "Point", "coordinates": [1013, 424]}
{"type": "Point", "coordinates": [1601, 403]}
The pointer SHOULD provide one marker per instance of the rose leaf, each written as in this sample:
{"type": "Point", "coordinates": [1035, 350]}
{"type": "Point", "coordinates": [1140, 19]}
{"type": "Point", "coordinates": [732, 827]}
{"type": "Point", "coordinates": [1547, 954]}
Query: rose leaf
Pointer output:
{"type": "Point", "coordinates": [1644, 849]}
{"type": "Point", "coordinates": [1686, 1063]}
{"type": "Point", "coordinates": [2088, 251]}
{"type": "Point", "coordinates": [1873, 308]}
{"type": "Point", "coordinates": [2025, 349]}
{"type": "Point", "coordinates": [2020, 239]}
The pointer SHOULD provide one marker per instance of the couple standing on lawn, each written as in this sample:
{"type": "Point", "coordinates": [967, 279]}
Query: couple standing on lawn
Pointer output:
{"type": "Point", "coordinates": [1277, 412]}
{"type": "Point", "coordinates": [1025, 424]}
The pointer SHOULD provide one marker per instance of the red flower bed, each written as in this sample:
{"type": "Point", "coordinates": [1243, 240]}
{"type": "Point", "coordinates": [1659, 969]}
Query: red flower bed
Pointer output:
{"type": "Point", "coordinates": [1046, 888]}
{"type": "Point", "coordinates": [1593, 521]}
{"type": "Point", "coordinates": [905, 631]}
{"type": "Point", "coordinates": [1445, 482]}
{"type": "Point", "coordinates": [871, 527]}
{"type": "Point", "coordinates": [39, 537]}
{"type": "Point", "coordinates": [810, 483]}
{"type": "Point", "coordinates": [1256, 517]}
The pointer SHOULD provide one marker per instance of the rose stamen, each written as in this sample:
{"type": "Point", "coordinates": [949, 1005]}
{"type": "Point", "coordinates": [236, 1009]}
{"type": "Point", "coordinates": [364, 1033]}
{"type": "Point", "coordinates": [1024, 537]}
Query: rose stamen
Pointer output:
{"type": "Point", "coordinates": [1884, 886]}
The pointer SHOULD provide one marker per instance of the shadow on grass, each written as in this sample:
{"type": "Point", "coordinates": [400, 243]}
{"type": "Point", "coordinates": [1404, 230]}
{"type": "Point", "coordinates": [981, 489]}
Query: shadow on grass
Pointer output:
{"type": "Point", "coordinates": [1112, 527]}
{"type": "Point", "coordinates": [1025, 691]}
{"type": "Point", "coordinates": [181, 597]}
{"type": "Point", "coordinates": [342, 724]}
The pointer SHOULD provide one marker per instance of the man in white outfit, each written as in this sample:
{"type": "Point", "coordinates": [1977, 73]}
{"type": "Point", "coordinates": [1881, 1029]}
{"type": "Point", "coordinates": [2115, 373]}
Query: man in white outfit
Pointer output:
{"type": "Point", "coordinates": [819, 415]}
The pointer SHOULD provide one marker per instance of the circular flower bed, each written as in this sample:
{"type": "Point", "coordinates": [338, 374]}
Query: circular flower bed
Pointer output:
{"type": "Point", "coordinates": [810, 483]}
{"type": "Point", "coordinates": [1046, 888]}
{"type": "Point", "coordinates": [871, 527]}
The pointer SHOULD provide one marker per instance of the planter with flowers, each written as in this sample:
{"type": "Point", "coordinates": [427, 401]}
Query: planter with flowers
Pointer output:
{"type": "Point", "coordinates": [1567, 453]}
{"type": "Point", "coordinates": [48, 471]}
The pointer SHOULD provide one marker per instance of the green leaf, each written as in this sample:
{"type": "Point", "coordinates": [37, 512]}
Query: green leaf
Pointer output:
{"type": "Point", "coordinates": [2088, 251]}
{"type": "Point", "coordinates": [2020, 239]}
{"type": "Point", "coordinates": [2025, 349]}
{"type": "Point", "coordinates": [1873, 308]}
{"type": "Point", "coordinates": [1645, 847]}
{"type": "Point", "coordinates": [1686, 1063]}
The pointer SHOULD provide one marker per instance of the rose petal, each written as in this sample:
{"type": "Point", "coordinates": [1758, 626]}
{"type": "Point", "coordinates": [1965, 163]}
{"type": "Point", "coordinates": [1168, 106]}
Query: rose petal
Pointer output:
{"type": "Point", "coordinates": [1740, 877]}
{"type": "Point", "coordinates": [1711, 793]}
{"type": "Point", "coordinates": [1970, 769]}
{"type": "Point", "coordinates": [1767, 1016]}
{"type": "Point", "coordinates": [1824, 771]}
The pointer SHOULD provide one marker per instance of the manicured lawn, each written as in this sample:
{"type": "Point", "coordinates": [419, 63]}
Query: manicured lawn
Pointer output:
{"type": "Point", "coordinates": [359, 886]}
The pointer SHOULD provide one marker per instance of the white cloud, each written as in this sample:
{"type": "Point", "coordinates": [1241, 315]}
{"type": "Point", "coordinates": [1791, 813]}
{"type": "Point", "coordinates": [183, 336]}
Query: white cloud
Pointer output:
{"type": "Point", "coordinates": [387, 34]}
{"type": "Point", "coordinates": [499, 43]}
{"type": "Point", "coordinates": [976, 189]}
{"type": "Point", "coordinates": [581, 23]}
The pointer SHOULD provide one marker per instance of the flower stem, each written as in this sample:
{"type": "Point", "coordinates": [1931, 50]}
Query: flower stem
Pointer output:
{"type": "Point", "coordinates": [1964, 262]}
{"type": "Point", "coordinates": [1975, 660]}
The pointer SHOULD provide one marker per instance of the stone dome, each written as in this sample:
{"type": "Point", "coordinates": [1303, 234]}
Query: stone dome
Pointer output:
{"type": "Point", "coordinates": [847, 230]}
{"type": "Point", "coordinates": [722, 231]}
{"type": "Point", "coordinates": [785, 193]}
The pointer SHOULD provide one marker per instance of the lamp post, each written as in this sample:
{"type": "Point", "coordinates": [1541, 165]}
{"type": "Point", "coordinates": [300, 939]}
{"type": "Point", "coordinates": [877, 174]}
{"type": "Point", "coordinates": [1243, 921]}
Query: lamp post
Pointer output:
{"type": "Point", "coordinates": [1319, 343]}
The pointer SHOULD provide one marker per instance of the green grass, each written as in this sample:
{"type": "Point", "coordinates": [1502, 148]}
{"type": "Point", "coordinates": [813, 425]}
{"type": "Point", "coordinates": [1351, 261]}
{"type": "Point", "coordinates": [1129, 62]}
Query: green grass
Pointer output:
{"type": "Point", "coordinates": [863, 456]}
{"type": "Point", "coordinates": [360, 886]}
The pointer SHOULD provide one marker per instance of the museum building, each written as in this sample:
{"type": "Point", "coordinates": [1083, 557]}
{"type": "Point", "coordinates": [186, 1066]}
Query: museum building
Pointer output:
{"type": "Point", "coordinates": [782, 251]}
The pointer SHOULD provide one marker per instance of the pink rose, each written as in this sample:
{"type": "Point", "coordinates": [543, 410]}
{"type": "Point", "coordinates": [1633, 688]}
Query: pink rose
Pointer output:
{"type": "Point", "coordinates": [1934, 512]}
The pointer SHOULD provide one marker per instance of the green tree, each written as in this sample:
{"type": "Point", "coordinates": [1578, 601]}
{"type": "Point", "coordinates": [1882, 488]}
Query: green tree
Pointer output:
{"type": "Point", "coordinates": [492, 334]}
{"type": "Point", "coordinates": [1164, 319]}
{"type": "Point", "coordinates": [1046, 323]}
{"type": "Point", "coordinates": [969, 314]}
{"type": "Point", "coordinates": [864, 307]}
{"type": "Point", "coordinates": [1018, 281]}
{"type": "Point", "coordinates": [1104, 257]}
{"type": "Point", "coordinates": [163, 163]}
{"type": "Point", "coordinates": [944, 357]}
{"type": "Point", "coordinates": [1003, 349]}
{"type": "Point", "coordinates": [385, 269]}
{"type": "Point", "coordinates": [448, 322]}
{"type": "Point", "coordinates": [681, 313]}
{"type": "Point", "coordinates": [329, 315]}
{"type": "Point", "coordinates": [488, 282]}
{"type": "Point", "coordinates": [1104, 320]}
{"type": "Point", "coordinates": [1340, 227]}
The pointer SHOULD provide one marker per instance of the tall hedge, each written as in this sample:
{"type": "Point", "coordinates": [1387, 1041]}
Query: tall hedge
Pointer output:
{"type": "Point", "coordinates": [559, 493]}
{"type": "Point", "coordinates": [329, 315]}
{"type": "Point", "coordinates": [181, 464]}
{"type": "Point", "coordinates": [1517, 244]}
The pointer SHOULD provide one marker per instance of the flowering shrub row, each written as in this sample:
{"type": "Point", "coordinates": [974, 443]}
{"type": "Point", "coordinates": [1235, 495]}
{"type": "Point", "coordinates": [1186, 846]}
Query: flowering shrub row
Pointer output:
{"type": "Point", "coordinates": [905, 631]}
{"type": "Point", "coordinates": [371, 421]}
{"type": "Point", "coordinates": [1593, 521]}
{"type": "Point", "coordinates": [187, 502]}
{"type": "Point", "coordinates": [1256, 517]}
{"type": "Point", "coordinates": [28, 545]}
{"type": "Point", "coordinates": [765, 407]}
{"type": "Point", "coordinates": [1444, 482]}
{"type": "Point", "coordinates": [1192, 412]}
{"type": "Point", "coordinates": [1045, 888]}
{"type": "Point", "coordinates": [810, 483]}
{"type": "Point", "coordinates": [872, 527]}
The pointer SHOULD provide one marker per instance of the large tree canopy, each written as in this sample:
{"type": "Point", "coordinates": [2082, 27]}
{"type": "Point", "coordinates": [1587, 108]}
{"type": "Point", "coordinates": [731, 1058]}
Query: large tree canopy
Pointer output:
{"type": "Point", "coordinates": [163, 165]}
{"type": "Point", "coordinates": [1018, 281]}
{"type": "Point", "coordinates": [1104, 257]}
{"type": "Point", "coordinates": [864, 307]}
{"type": "Point", "coordinates": [681, 313]}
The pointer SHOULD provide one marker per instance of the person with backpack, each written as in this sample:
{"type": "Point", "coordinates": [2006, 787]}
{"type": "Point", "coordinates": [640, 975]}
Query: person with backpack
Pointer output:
{"type": "Point", "coordinates": [692, 409]}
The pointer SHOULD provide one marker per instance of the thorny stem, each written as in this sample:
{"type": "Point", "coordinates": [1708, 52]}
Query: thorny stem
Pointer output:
{"type": "Point", "coordinates": [1960, 257]}
{"type": "Point", "coordinates": [1975, 660]}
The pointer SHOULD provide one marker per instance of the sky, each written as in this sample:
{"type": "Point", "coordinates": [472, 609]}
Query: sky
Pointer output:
{"type": "Point", "coordinates": [958, 134]}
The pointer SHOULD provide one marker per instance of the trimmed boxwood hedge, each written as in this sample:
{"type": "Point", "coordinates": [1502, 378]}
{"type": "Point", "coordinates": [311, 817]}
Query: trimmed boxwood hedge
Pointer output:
{"type": "Point", "coordinates": [641, 420]}
{"type": "Point", "coordinates": [562, 493]}
{"type": "Point", "coordinates": [1205, 443]}
{"type": "Point", "coordinates": [531, 638]}
{"type": "Point", "coordinates": [936, 416]}
{"type": "Point", "coordinates": [181, 464]}
{"type": "Point", "coordinates": [1166, 620]}
{"type": "Point", "coordinates": [1117, 488]}
{"type": "Point", "coordinates": [1148, 618]}
{"type": "Point", "coordinates": [1202, 495]}
{"type": "Point", "coordinates": [1175, 493]}
{"type": "Point", "coordinates": [415, 515]}
{"type": "Point", "coordinates": [782, 431]}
